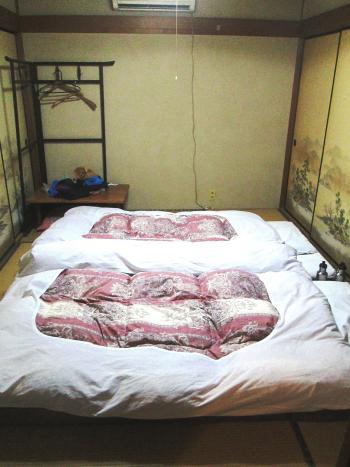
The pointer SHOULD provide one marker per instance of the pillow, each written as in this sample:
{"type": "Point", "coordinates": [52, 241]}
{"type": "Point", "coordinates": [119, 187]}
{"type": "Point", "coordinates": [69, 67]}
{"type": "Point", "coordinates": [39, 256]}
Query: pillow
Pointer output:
{"type": "Point", "coordinates": [291, 235]}
{"type": "Point", "coordinates": [338, 295]}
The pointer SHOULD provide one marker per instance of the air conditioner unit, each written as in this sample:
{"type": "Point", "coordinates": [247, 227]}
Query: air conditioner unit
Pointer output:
{"type": "Point", "coordinates": [154, 5]}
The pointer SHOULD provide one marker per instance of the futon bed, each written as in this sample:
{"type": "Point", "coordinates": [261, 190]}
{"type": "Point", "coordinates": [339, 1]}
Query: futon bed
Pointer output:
{"type": "Point", "coordinates": [200, 241]}
{"type": "Point", "coordinates": [191, 242]}
{"type": "Point", "coordinates": [303, 363]}
{"type": "Point", "coordinates": [264, 343]}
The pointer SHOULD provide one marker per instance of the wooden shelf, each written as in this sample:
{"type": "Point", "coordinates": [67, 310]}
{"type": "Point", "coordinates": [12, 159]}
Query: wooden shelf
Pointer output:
{"type": "Point", "coordinates": [115, 196]}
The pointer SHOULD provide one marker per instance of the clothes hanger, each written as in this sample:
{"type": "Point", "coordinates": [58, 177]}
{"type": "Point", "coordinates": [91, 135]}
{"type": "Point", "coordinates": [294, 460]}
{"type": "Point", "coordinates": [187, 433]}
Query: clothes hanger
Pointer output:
{"type": "Point", "coordinates": [59, 92]}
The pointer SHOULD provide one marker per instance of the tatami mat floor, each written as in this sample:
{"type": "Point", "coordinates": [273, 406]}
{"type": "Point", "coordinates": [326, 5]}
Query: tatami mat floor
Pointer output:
{"type": "Point", "coordinates": [9, 271]}
{"type": "Point", "coordinates": [202, 443]}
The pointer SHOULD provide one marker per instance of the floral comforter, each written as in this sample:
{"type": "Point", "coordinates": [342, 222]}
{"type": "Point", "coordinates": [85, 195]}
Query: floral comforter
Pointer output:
{"type": "Point", "coordinates": [194, 228]}
{"type": "Point", "coordinates": [213, 314]}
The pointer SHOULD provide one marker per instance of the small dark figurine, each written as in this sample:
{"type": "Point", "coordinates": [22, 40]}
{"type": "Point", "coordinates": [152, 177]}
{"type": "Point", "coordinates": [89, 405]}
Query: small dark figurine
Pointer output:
{"type": "Point", "coordinates": [322, 274]}
{"type": "Point", "coordinates": [340, 272]}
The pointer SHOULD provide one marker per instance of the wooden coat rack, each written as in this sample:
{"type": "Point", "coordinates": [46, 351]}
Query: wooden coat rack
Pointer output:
{"type": "Point", "coordinates": [24, 74]}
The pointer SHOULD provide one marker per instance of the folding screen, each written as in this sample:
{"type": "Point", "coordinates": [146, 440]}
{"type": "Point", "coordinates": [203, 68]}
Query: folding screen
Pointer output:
{"type": "Point", "coordinates": [318, 193]}
{"type": "Point", "coordinates": [316, 82]}
{"type": "Point", "coordinates": [331, 224]}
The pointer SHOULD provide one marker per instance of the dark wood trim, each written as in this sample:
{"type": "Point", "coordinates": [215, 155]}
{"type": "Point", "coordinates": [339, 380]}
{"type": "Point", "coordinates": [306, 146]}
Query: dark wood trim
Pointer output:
{"type": "Point", "coordinates": [292, 118]}
{"type": "Point", "coordinates": [36, 416]}
{"type": "Point", "coordinates": [331, 21]}
{"type": "Point", "coordinates": [105, 24]}
{"type": "Point", "coordinates": [30, 120]}
{"type": "Point", "coordinates": [245, 27]}
{"type": "Point", "coordinates": [325, 23]}
{"type": "Point", "coordinates": [158, 25]}
{"type": "Point", "coordinates": [9, 21]}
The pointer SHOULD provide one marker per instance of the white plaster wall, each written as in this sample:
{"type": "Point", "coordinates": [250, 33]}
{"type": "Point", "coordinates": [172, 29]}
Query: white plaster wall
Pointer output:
{"type": "Point", "coordinates": [242, 94]}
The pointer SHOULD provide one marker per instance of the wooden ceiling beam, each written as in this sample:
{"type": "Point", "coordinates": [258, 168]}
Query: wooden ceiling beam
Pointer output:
{"type": "Point", "coordinates": [8, 20]}
{"type": "Point", "coordinates": [331, 21]}
{"type": "Point", "coordinates": [325, 23]}
{"type": "Point", "coordinates": [159, 25]}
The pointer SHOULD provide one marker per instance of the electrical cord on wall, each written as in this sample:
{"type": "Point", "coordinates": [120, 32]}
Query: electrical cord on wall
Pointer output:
{"type": "Point", "coordinates": [194, 155]}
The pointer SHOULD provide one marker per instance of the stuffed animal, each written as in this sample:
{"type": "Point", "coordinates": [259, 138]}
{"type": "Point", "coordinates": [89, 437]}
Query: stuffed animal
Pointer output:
{"type": "Point", "coordinates": [82, 173]}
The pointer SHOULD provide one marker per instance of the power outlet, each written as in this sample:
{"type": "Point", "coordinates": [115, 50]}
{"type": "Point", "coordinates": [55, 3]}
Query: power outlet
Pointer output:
{"type": "Point", "coordinates": [212, 194]}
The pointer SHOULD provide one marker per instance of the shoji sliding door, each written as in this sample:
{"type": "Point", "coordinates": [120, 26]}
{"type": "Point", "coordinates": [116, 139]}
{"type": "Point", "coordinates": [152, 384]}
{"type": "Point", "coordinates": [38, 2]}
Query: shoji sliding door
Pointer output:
{"type": "Point", "coordinates": [9, 182]}
{"type": "Point", "coordinates": [318, 68]}
{"type": "Point", "coordinates": [11, 209]}
{"type": "Point", "coordinates": [331, 224]}
{"type": "Point", "coordinates": [318, 194]}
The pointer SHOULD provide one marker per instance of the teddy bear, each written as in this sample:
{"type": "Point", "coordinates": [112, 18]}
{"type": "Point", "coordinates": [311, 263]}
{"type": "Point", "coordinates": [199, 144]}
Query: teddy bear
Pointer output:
{"type": "Point", "coordinates": [82, 173]}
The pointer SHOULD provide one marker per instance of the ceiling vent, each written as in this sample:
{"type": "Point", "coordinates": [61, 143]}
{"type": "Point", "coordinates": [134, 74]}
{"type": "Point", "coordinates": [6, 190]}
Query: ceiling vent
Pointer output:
{"type": "Point", "coordinates": [154, 5]}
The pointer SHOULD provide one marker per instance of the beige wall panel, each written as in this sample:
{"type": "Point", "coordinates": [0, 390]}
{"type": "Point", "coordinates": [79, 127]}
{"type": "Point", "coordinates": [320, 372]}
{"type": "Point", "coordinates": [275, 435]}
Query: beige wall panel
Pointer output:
{"type": "Point", "coordinates": [331, 225]}
{"type": "Point", "coordinates": [62, 159]}
{"type": "Point", "coordinates": [242, 92]}
{"type": "Point", "coordinates": [309, 133]}
{"type": "Point", "coordinates": [242, 111]}
{"type": "Point", "coordinates": [80, 122]}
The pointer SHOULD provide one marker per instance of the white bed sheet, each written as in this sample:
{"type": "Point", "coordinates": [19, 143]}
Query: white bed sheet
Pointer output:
{"type": "Point", "coordinates": [338, 295]}
{"type": "Point", "coordinates": [133, 256]}
{"type": "Point", "coordinates": [303, 365]}
{"type": "Point", "coordinates": [307, 254]}
{"type": "Point", "coordinates": [291, 235]}
{"type": "Point", "coordinates": [78, 221]}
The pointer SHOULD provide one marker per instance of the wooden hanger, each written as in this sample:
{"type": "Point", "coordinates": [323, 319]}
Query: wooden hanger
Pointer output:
{"type": "Point", "coordinates": [58, 92]}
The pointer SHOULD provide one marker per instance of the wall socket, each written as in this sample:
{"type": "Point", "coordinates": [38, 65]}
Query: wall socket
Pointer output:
{"type": "Point", "coordinates": [212, 194]}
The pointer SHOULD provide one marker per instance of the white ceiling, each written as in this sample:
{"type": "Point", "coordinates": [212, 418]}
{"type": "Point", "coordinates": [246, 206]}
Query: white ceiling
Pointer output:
{"type": "Point", "coordinates": [252, 9]}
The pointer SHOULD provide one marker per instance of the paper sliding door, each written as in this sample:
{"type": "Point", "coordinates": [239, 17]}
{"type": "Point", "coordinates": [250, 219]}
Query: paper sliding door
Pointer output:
{"type": "Point", "coordinates": [331, 224]}
{"type": "Point", "coordinates": [11, 200]}
{"type": "Point", "coordinates": [319, 60]}
{"type": "Point", "coordinates": [9, 179]}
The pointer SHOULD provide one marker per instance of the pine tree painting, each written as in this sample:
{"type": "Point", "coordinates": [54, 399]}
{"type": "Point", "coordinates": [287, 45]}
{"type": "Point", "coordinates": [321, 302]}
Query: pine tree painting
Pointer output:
{"type": "Point", "coordinates": [337, 222]}
{"type": "Point", "coordinates": [303, 193]}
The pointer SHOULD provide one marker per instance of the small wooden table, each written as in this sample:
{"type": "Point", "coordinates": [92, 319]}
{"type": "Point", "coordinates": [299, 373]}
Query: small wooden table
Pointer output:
{"type": "Point", "coordinates": [115, 196]}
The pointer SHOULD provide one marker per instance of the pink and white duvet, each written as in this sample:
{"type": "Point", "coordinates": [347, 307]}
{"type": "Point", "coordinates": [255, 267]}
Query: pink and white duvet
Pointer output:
{"type": "Point", "coordinates": [213, 314]}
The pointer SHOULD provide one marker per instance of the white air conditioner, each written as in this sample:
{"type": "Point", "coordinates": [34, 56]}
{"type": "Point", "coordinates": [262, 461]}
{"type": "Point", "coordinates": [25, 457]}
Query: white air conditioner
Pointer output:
{"type": "Point", "coordinates": [154, 5]}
